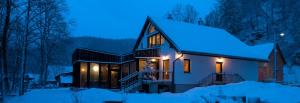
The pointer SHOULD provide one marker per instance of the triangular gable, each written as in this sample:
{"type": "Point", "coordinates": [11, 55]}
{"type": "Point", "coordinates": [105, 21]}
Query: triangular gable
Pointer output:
{"type": "Point", "coordinates": [280, 53]}
{"type": "Point", "coordinates": [144, 29]}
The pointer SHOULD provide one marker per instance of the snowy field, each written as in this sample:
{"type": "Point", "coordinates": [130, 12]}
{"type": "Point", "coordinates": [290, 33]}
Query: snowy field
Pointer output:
{"type": "Point", "coordinates": [292, 75]}
{"type": "Point", "coordinates": [267, 92]}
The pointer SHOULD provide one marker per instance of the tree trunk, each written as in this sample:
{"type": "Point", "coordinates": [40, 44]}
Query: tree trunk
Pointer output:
{"type": "Point", "coordinates": [22, 91]}
{"type": "Point", "coordinates": [5, 83]}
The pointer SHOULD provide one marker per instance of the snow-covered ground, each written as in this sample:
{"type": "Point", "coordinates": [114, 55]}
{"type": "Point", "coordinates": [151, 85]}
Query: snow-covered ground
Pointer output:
{"type": "Point", "coordinates": [267, 92]}
{"type": "Point", "coordinates": [292, 75]}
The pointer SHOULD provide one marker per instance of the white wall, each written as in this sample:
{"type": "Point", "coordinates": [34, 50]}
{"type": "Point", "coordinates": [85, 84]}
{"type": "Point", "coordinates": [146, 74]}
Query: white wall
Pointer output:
{"type": "Point", "coordinates": [202, 66]}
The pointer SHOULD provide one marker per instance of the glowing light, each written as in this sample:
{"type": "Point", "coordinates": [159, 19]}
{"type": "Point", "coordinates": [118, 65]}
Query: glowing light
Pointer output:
{"type": "Point", "coordinates": [220, 59]}
{"type": "Point", "coordinates": [153, 60]}
{"type": "Point", "coordinates": [178, 55]}
{"type": "Point", "coordinates": [165, 57]}
{"type": "Point", "coordinates": [82, 69]}
{"type": "Point", "coordinates": [96, 68]}
{"type": "Point", "coordinates": [282, 34]}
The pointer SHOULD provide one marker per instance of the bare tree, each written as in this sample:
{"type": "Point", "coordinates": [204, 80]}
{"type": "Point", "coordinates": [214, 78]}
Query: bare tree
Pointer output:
{"type": "Point", "coordinates": [44, 28]}
{"type": "Point", "coordinates": [5, 83]}
{"type": "Point", "coordinates": [186, 13]}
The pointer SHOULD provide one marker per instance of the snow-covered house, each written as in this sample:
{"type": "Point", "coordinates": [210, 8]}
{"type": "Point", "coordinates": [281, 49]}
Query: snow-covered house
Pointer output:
{"type": "Point", "coordinates": [58, 74]}
{"type": "Point", "coordinates": [176, 56]}
{"type": "Point", "coordinates": [64, 79]}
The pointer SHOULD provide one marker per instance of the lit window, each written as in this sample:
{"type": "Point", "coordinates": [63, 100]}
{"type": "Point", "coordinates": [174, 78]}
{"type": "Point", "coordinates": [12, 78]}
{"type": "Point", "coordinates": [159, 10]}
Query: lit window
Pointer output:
{"type": "Point", "coordinates": [155, 40]}
{"type": "Point", "coordinates": [104, 75]}
{"type": "Point", "coordinates": [151, 29]}
{"type": "Point", "coordinates": [142, 63]}
{"type": "Point", "coordinates": [166, 69]}
{"type": "Point", "coordinates": [94, 74]}
{"type": "Point", "coordinates": [219, 67]}
{"type": "Point", "coordinates": [83, 74]}
{"type": "Point", "coordinates": [186, 66]}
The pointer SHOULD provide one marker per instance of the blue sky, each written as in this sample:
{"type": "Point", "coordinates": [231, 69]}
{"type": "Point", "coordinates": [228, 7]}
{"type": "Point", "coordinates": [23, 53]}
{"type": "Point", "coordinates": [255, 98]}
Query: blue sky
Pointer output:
{"type": "Point", "coordinates": [118, 19]}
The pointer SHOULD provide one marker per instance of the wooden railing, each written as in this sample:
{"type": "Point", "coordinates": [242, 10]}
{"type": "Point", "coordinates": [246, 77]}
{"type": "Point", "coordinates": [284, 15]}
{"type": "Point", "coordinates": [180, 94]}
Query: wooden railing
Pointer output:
{"type": "Point", "coordinates": [220, 78]}
{"type": "Point", "coordinates": [153, 52]}
{"type": "Point", "coordinates": [131, 81]}
{"type": "Point", "coordinates": [134, 80]}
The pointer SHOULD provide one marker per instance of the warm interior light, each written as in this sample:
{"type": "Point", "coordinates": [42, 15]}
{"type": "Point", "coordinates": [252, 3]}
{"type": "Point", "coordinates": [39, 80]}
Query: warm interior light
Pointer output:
{"type": "Point", "coordinates": [220, 59]}
{"type": "Point", "coordinates": [153, 60]}
{"type": "Point", "coordinates": [82, 69]}
{"type": "Point", "coordinates": [178, 55]}
{"type": "Point", "coordinates": [165, 57]}
{"type": "Point", "coordinates": [96, 68]}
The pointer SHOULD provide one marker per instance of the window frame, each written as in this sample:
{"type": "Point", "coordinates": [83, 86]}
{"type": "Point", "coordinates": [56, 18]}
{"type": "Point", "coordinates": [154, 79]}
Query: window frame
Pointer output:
{"type": "Point", "coordinates": [164, 69]}
{"type": "Point", "coordinates": [155, 40]}
{"type": "Point", "coordinates": [150, 29]}
{"type": "Point", "coordinates": [221, 67]}
{"type": "Point", "coordinates": [189, 65]}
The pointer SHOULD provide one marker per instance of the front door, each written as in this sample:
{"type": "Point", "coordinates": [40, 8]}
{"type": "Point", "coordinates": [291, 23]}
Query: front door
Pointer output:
{"type": "Point", "coordinates": [219, 71]}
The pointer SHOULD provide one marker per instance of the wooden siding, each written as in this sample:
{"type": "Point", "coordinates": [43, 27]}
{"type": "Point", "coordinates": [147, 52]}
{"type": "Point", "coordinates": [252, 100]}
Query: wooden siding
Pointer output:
{"type": "Point", "coordinates": [266, 69]}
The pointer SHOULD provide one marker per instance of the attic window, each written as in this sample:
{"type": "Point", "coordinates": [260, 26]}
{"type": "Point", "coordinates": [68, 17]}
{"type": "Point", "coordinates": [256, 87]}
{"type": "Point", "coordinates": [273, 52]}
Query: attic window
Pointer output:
{"type": "Point", "coordinates": [151, 28]}
{"type": "Point", "coordinates": [155, 40]}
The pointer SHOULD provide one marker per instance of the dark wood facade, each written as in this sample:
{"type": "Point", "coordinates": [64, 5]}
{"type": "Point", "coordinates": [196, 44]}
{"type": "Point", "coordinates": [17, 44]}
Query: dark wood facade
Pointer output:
{"type": "Point", "coordinates": [91, 55]}
{"type": "Point", "coordinates": [108, 68]}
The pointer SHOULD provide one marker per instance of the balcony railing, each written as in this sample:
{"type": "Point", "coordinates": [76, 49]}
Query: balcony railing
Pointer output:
{"type": "Point", "coordinates": [153, 52]}
{"type": "Point", "coordinates": [221, 78]}
{"type": "Point", "coordinates": [155, 76]}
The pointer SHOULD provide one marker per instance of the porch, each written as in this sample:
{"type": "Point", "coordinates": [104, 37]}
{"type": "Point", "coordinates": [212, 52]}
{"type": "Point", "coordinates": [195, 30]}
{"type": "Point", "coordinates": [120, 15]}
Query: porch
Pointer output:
{"type": "Point", "coordinates": [145, 82]}
{"type": "Point", "coordinates": [220, 78]}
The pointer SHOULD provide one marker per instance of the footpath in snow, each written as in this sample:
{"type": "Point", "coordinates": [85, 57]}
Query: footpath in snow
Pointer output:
{"type": "Point", "coordinates": [267, 92]}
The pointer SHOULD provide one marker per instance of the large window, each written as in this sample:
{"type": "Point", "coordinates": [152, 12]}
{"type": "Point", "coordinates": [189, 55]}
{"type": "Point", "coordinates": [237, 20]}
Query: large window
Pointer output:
{"type": "Point", "coordinates": [114, 76]}
{"type": "Point", "coordinates": [142, 63]}
{"type": "Point", "coordinates": [186, 66]}
{"type": "Point", "coordinates": [166, 69]}
{"type": "Point", "coordinates": [104, 75]}
{"type": "Point", "coordinates": [155, 40]}
{"type": "Point", "coordinates": [83, 74]}
{"type": "Point", "coordinates": [94, 74]}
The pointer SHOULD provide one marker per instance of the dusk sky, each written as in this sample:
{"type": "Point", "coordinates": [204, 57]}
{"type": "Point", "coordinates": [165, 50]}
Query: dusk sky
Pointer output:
{"type": "Point", "coordinates": [122, 18]}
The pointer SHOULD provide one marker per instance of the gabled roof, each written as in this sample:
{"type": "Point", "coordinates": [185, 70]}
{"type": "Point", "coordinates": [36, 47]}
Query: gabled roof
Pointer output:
{"type": "Point", "coordinates": [199, 39]}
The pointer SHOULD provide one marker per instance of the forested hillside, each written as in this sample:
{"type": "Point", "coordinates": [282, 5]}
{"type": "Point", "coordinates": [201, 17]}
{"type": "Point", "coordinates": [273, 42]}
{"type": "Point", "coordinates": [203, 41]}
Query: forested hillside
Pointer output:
{"type": "Point", "coordinates": [257, 21]}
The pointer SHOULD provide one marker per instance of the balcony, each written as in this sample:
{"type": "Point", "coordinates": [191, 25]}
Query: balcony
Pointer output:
{"type": "Point", "coordinates": [153, 52]}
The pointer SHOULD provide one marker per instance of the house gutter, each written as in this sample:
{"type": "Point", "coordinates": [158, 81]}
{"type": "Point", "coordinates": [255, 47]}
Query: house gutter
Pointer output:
{"type": "Point", "coordinates": [173, 73]}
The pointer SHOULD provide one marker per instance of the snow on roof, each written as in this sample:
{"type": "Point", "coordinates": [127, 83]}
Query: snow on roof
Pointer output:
{"type": "Point", "coordinates": [54, 70]}
{"type": "Point", "coordinates": [263, 50]}
{"type": "Point", "coordinates": [66, 79]}
{"type": "Point", "coordinates": [203, 39]}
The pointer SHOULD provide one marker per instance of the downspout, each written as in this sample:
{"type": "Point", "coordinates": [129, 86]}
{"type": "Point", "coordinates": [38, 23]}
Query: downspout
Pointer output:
{"type": "Point", "coordinates": [173, 73]}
